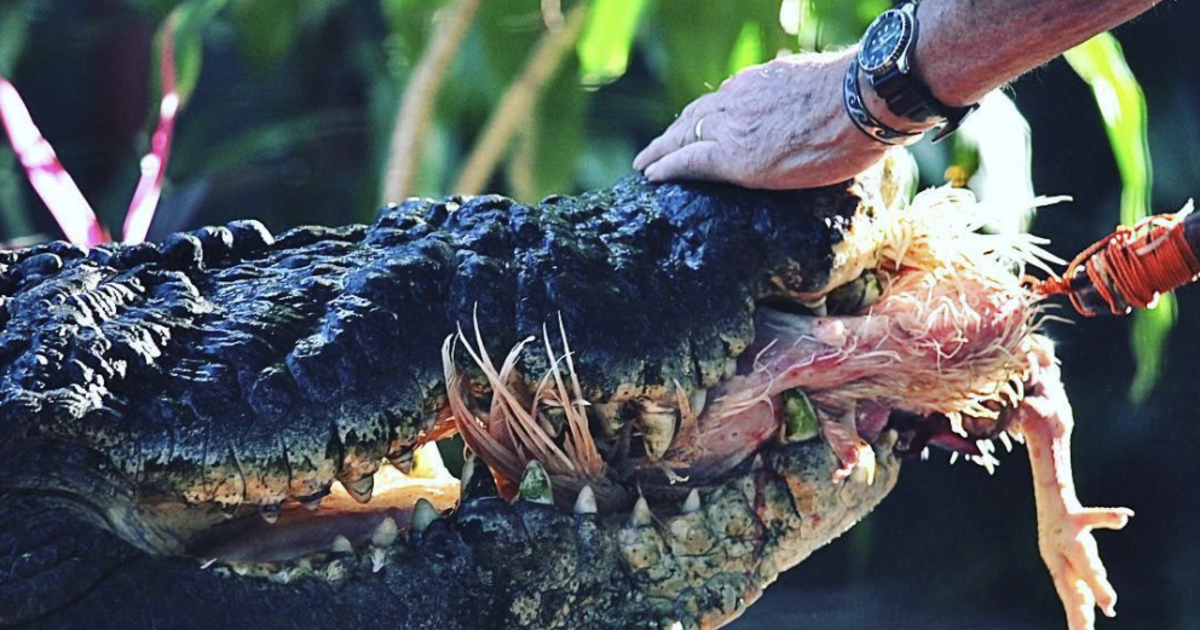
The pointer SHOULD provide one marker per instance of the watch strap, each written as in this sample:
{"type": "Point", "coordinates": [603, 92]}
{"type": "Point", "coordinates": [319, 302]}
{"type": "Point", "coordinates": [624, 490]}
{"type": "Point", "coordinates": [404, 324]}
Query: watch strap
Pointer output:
{"type": "Point", "coordinates": [863, 119]}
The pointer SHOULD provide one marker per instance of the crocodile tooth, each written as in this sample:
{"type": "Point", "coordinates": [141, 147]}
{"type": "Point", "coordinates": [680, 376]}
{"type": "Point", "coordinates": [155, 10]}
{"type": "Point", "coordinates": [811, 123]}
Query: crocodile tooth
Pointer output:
{"type": "Point", "coordinates": [730, 368]}
{"type": "Point", "coordinates": [428, 464]}
{"type": "Point", "coordinates": [535, 484]}
{"type": "Point", "coordinates": [207, 563]}
{"type": "Point", "coordinates": [282, 577]}
{"type": "Point", "coordinates": [552, 420]}
{"type": "Point", "coordinates": [477, 480]}
{"type": "Point", "coordinates": [403, 461]}
{"type": "Point", "coordinates": [468, 471]}
{"type": "Point", "coordinates": [609, 416]}
{"type": "Point", "coordinates": [269, 512]}
{"type": "Point", "coordinates": [313, 501]}
{"type": "Point", "coordinates": [378, 559]}
{"type": "Point", "coordinates": [691, 503]}
{"type": "Point", "coordinates": [889, 438]}
{"type": "Point", "coordinates": [658, 429]}
{"type": "Point", "coordinates": [361, 489]}
{"type": "Point", "coordinates": [585, 503]}
{"type": "Point", "coordinates": [341, 544]}
{"type": "Point", "coordinates": [423, 515]}
{"type": "Point", "coordinates": [698, 401]}
{"type": "Point", "coordinates": [229, 510]}
{"type": "Point", "coordinates": [872, 291]}
{"type": "Point", "coordinates": [799, 417]}
{"type": "Point", "coordinates": [385, 533]}
{"type": "Point", "coordinates": [641, 515]}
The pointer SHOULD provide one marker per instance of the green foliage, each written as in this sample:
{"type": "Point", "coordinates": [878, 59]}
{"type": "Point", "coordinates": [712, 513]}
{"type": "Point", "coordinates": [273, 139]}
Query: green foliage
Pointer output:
{"type": "Point", "coordinates": [604, 47]}
{"type": "Point", "coordinates": [748, 49]}
{"type": "Point", "coordinates": [269, 29]}
{"type": "Point", "coordinates": [831, 23]}
{"type": "Point", "coordinates": [191, 18]}
{"type": "Point", "coordinates": [557, 136]}
{"type": "Point", "coordinates": [691, 45]}
{"type": "Point", "coordinates": [14, 30]}
{"type": "Point", "coordinates": [15, 18]}
{"type": "Point", "coordinates": [1101, 63]}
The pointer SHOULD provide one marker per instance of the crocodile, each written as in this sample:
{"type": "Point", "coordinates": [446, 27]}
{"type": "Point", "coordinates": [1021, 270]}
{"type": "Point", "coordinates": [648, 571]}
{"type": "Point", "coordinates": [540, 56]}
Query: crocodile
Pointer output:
{"type": "Point", "coordinates": [695, 387]}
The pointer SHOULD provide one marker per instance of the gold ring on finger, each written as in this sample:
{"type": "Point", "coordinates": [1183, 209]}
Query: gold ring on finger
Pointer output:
{"type": "Point", "coordinates": [699, 130]}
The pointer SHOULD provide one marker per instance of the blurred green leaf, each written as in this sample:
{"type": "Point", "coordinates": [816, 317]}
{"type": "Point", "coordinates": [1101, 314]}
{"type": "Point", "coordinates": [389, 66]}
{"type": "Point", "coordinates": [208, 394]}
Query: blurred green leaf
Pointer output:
{"type": "Point", "coordinates": [14, 30]}
{"type": "Point", "coordinates": [15, 18]}
{"type": "Point", "coordinates": [1101, 63]}
{"type": "Point", "coordinates": [410, 23]}
{"type": "Point", "coordinates": [16, 222]}
{"type": "Point", "coordinates": [278, 137]}
{"type": "Point", "coordinates": [604, 47]}
{"type": "Point", "coordinates": [691, 65]}
{"type": "Point", "coordinates": [561, 132]}
{"type": "Point", "coordinates": [191, 18]}
{"type": "Point", "coordinates": [833, 24]}
{"type": "Point", "coordinates": [748, 49]}
{"type": "Point", "coordinates": [502, 36]}
{"type": "Point", "coordinates": [268, 29]}
{"type": "Point", "coordinates": [1151, 329]}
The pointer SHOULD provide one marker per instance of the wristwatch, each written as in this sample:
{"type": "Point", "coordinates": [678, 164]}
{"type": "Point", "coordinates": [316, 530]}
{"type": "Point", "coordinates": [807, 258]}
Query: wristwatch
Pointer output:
{"type": "Point", "coordinates": [885, 57]}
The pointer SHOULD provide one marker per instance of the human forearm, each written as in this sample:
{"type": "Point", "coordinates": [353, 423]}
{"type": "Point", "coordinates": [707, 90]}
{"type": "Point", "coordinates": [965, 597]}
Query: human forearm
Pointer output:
{"type": "Point", "coordinates": [969, 47]}
{"type": "Point", "coordinates": [784, 124]}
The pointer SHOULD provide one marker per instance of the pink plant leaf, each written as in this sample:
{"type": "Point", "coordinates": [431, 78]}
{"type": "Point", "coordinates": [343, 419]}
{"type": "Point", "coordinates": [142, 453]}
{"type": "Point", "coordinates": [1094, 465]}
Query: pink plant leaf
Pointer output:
{"type": "Point", "coordinates": [46, 174]}
{"type": "Point", "coordinates": [154, 164]}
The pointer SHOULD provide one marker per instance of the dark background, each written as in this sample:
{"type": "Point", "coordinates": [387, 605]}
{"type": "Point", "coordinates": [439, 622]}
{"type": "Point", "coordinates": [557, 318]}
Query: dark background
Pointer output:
{"type": "Point", "coordinates": [301, 141]}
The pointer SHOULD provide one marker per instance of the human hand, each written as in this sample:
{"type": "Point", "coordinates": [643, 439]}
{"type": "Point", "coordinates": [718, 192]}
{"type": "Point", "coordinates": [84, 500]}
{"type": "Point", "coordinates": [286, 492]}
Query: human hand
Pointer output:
{"type": "Point", "coordinates": [779, 125]}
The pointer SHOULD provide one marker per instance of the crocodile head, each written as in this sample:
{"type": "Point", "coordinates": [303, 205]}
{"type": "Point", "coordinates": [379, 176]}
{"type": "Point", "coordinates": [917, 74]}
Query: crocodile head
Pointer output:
{"type": "Point", "coordinates": [671, 394]}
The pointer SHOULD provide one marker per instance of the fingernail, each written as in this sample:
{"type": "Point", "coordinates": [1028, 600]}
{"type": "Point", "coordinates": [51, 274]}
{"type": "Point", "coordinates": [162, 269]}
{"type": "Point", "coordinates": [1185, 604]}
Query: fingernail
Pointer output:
{"type": "Point", "coordinates": [651, 173]}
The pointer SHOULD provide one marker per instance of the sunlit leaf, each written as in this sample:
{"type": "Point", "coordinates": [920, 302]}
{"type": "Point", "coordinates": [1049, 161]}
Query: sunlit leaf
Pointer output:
{"type": "Point", "coordinates": [831, 24]}
{"type": "Point", "coordinates": [1100, 62]}
{"type": "Point", "coordinates": [748, 49]}
{"type": "Point", "coordinates": [692, 65]}
{"type": "Point", "coordinates": [603, 48]}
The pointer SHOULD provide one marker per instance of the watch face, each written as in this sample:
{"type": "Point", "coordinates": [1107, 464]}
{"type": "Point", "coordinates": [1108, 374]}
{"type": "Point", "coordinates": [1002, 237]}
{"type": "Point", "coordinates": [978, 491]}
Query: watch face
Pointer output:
{"type": "Point", "coordinates": [884, 41]}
